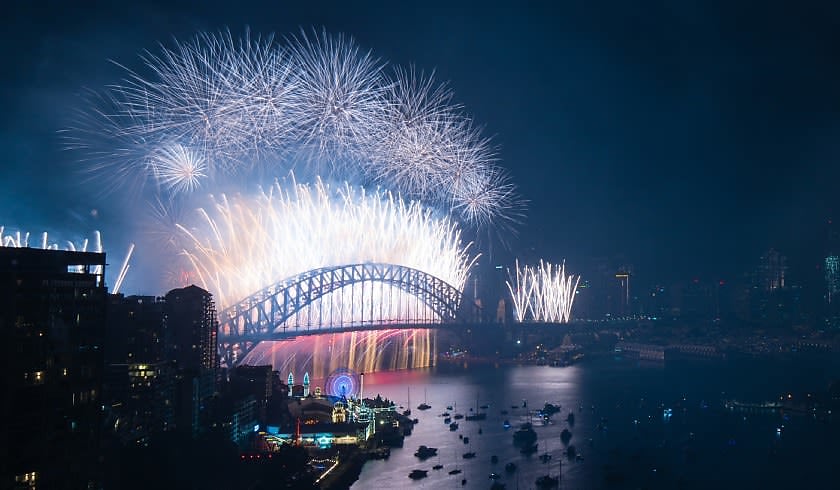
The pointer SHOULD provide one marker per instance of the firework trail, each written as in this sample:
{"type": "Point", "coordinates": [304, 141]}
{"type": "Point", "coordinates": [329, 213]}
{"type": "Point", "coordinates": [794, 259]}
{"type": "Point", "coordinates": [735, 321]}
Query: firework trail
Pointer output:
{"type": "Point", "coordinates": [543, 293]}
{"type": "Point", "coordinates": [243, 244]}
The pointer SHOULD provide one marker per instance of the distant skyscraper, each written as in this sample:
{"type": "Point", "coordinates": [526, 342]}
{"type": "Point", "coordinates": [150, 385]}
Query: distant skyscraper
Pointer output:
{"type": "Point", "coordinates": [52, 322]}
{"type": "Point", "coordinates": [832, 279]}
{"type": "Point", "coordinates": [771, 271]}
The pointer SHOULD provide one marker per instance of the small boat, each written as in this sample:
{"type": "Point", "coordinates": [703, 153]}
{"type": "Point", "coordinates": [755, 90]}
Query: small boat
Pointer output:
{"type": "Point", "coordinates": [437, 467]}
{"type": "Point", "coordinates": [449, 407]}
{"type": "Point", "coordinates": [453, 426]}
{"type": "Point", "coordinates": [423, 406]}
{"type": "Point", "coordinates": [480, 431]}
{"type": "Point", "coordinates": [565, 436]}
{"type": "Point", "coordinates": [571, 418]}
{"type": "Point", "coordinates": [458, 416]}
{"type": "Point", "coordinates": [469, 455]}
{"type": "Point", "coordinates": [484, 407]}
{"type": "Point", "coordinates": [571, 452]}
{"type": "Point", "coordinates": [506, 424]}
{"type": "Point", "coordinates": [418, 474]}
{"type": "Point", "coordinates": [545, 457]}
{"type": "Point", "coordinates": [424, 452]}
{"type": "Point", "coordinates": [466, 440]}
{"type": "Point", "coordinates": [444, 414]}
{"type": "Point", "coordinates": [495, 476]}
{"type": "Point", "coordinates": [547, 481]}
{"type": "Point", "coordinates": [447, 420]}
{"type": "Point", "coordinates": [510, 467]}
{"type": "Point", "coordinates": [463, 482]}
{"type": "Point", "coordinates": [454, 472]}
{"type": "Point", "coordinates": [415, 421]}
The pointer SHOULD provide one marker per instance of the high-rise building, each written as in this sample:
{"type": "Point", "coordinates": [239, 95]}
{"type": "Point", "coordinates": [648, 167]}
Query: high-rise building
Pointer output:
{"type": "Point", "coordinates": [52, 325]}
{"type": "Point", "coordinates": [190, 332]}
{"type": "Point", "coordinates": [770, 274]}
{"type": "Point", "coordinates": [191, 329]}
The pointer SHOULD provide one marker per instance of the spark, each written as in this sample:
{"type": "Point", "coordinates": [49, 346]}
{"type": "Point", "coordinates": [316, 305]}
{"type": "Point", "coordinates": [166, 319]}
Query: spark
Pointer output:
{"type": "Point", "coordinates": [543, 293]}
{"type": "Point", "coordinates": [241, 244]}
{"type": "Point", "coordinates": [214, 106]}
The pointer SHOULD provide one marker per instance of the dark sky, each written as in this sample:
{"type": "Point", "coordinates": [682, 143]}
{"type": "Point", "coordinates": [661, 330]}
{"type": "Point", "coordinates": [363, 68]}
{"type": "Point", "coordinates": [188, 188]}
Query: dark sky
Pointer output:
{"type": "Point", "coordinates": [687, 137]}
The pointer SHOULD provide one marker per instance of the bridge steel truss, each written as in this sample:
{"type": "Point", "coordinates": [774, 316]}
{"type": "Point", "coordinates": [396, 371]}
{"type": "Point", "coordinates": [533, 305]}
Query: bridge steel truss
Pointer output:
{"type": "Point", "coordinates": [266, 314]}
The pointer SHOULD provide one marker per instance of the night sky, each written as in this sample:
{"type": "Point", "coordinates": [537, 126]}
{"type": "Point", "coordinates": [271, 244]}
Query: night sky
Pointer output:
{"type": "Point", "coordinates": [684, 138]}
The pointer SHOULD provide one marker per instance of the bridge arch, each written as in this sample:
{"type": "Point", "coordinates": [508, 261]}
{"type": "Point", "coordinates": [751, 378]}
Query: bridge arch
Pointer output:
{"type": "Point", "coordinates": [266, 314]}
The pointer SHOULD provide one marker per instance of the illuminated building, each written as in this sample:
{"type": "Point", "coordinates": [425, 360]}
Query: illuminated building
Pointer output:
{"type": "Point", "coordinates": [52, 322]}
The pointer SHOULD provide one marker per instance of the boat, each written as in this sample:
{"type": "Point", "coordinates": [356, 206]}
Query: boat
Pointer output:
{"type": "Point", "coordinates": [565, 436]}
{"type": "Point", "coordinates": [454, 472]}
{"type": "Point", "coordinates": [415, 421]}
{"type": "Point", "coordinates": [524, 436]}
{"type": "Point", "coordinates": [437, 467]}
{"type": "Point", "coordinates": [506, 424]}
{"type": "Point", "coordinates": [571, 452]}
{"type": "Point", "coordinates": [458, 416]}
{"type": "Point", "coordinates": [477, 415]}
{"type": "Point", "coordinates": [484, 407]}
{"type": "Point", "coordinates": [547, 481]}
{"type": "Point", "coordinates": [571, 418]}
{"type": "Point", "coordinates": [469, 455]}
{"type": "Point", "coordinates": [545, 457]}
{"type": "Point", "coordinates": [550, 409]}
{"type": "Point", "coordinates": [466, 440]}
{"type": "Point", "coordinates": [444, 414]}
{"type": "Point", "coordinates": [510, 467]}
{"type": "Point", "coordinates": [453, 426]}
{"type": "Point", "coordinates": [480, 431]}
{"type": "Point", "coordinates": [418, 474]}
{"type": "Point", "coordinates": [424, 452]}
{"type": "Point", "coordinates": [447, 420]}
{"type": "Point", "coordinates": [495, 476]}
{"type": "Point", "coordinates": [424, 405]}
{"type": "Point", "coordinates": [449, 407]}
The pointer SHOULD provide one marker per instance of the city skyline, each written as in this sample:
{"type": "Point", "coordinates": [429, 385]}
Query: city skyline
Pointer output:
{"type": "Point", "coordinates": [675, 140]}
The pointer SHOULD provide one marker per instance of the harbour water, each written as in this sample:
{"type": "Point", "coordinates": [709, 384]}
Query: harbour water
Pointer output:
{"type": "Point", "coordinates": [621, 427]}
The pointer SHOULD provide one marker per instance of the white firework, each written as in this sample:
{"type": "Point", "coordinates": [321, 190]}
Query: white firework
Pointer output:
{"type": "Point", "coordinates": [178, 168]}
{"type": "Point", "coordinates": [339, 94]}
{"type": "Point", "coordinates": [240, 106]}
{"type": "Point", "coordinates": [543, 293]}
{"type": "Point", "coordinates": [21, 239]}
{"type": "Point", "coordinates": [240, 245]}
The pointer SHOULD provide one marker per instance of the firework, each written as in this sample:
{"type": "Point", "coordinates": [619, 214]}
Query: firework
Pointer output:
{"type": "Point", "coordinates": [543, 293]}
{"type": "Point", "coordinates": [215, 107]}
{"type": "Point", "coordinates": [242, 244]}
{"type": "Point", "coordinates": [21, 239]}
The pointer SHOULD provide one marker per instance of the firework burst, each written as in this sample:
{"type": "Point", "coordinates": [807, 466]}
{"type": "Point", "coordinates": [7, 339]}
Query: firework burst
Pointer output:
{"type": "Point", "coordinates": [543, 293]}
{"type": "Point", "coordinates": [240, 245]}
{"type": "Point", "coordinates": [214, 107]}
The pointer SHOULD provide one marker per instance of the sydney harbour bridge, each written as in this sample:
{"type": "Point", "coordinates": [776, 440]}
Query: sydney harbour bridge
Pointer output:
{"type": "Point", "coordinates": [364, 296]}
